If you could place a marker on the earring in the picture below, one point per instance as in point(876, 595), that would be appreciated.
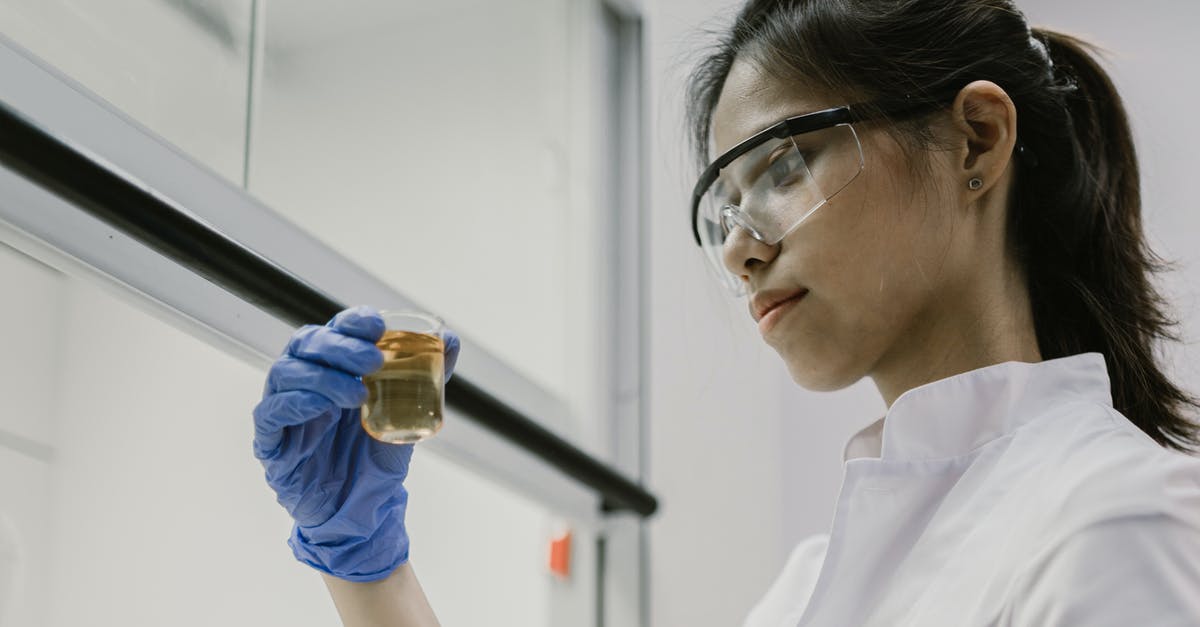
point(975, 183)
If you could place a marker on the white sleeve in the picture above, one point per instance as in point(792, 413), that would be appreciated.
point(788, 595)
point(1135, 570)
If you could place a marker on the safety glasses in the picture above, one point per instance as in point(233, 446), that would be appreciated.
point(771, 182)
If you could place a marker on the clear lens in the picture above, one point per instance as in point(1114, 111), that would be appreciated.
point(770, 190)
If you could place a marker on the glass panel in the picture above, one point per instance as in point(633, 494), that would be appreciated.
point(129, 495)
point(428, 142)
point(179, 67)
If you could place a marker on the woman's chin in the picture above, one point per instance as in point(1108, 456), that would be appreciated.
point(819, 373)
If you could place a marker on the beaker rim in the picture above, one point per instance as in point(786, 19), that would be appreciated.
point(411, 320)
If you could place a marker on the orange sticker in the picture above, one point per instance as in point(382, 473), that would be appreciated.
point(560, 555)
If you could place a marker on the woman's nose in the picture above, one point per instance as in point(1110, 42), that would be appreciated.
point(743, 253)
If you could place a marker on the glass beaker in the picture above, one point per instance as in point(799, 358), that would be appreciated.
point(406, 395)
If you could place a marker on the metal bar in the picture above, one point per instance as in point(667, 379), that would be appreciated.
point(87, 182)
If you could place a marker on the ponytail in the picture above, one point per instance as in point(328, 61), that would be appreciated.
point(1078, 222)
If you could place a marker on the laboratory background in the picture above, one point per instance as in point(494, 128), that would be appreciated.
point(518, 168)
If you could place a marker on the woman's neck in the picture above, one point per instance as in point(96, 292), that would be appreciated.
point(988, 323)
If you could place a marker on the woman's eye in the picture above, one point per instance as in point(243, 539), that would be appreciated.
point(786, 170)
point(784, 179)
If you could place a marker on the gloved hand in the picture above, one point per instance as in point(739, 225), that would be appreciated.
point(343, 488)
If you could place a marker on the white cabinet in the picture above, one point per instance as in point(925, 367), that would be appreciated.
point(149, 508)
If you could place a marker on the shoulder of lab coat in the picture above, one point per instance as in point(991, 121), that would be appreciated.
point(1080, 470)
point(1134, 570)
point(1126, 548)
point(1108, 473)
point(796, 581)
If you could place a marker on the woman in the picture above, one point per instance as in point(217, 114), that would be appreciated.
point(928, 193)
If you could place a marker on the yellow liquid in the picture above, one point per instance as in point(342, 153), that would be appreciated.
point(405, 396)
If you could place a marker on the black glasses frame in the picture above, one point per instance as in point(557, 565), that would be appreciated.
point(798, 125)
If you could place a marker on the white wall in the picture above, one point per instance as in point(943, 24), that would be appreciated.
point(748, 462)
point(715, 419)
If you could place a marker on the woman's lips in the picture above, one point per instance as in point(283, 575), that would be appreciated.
point(771, 318)
point(765, 300)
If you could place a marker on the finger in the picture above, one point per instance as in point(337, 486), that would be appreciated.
point(285, 409)
point(330, 347)
point(392, 459)
point(363, 322)
point(451, 353)
point(290, 373)
point(299, 443)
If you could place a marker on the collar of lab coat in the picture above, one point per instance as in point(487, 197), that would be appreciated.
point(952, 416)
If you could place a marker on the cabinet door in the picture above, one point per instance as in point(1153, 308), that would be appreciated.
point(434, 144)
point(179, 67)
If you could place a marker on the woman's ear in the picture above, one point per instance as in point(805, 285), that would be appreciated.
point(986, 120)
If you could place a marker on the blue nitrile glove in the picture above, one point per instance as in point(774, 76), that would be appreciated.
point(343, 488)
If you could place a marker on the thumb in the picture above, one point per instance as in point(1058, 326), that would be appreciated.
point(451, 354)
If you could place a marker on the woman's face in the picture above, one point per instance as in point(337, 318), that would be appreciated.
point(884, 261)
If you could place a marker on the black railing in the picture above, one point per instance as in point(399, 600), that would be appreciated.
point(156, 222)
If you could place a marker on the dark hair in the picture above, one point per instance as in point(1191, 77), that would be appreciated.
point(1075, 206)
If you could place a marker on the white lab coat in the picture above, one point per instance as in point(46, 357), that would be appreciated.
point(1010, 495)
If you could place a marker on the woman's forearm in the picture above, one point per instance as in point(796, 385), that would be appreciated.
point(397, 601)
